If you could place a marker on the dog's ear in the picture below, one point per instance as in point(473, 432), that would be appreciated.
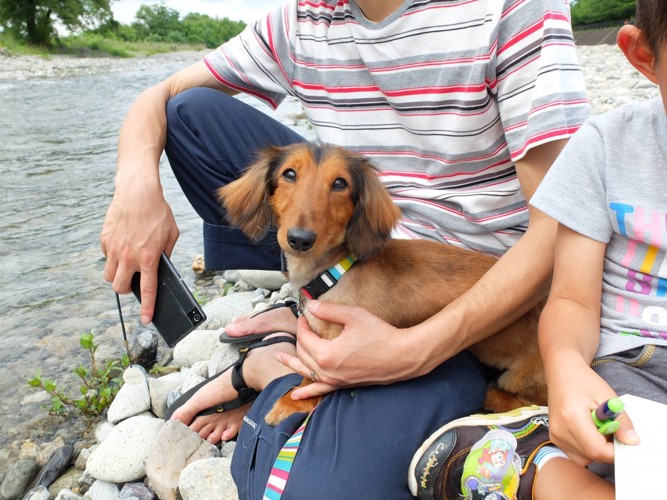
point(246, 200)
point(375, 213)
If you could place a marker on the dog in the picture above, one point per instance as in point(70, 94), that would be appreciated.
point(328, 203)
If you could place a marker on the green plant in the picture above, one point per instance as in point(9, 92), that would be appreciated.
point(201, 298)
point(586, 12)
point(36, 21)
point(101, 383)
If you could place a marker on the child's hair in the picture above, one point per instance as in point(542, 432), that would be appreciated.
point(651, 19)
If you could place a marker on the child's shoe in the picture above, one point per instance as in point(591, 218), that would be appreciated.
point(481, 457)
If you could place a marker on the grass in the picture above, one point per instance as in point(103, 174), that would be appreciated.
point(98, 45)
point(93, 46)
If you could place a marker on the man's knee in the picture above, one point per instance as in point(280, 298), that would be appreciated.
point(197, 104)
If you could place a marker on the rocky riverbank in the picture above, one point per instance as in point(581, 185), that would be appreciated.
point(610, 79)
point(76, 462)
point(132, 452)
point(19, 68)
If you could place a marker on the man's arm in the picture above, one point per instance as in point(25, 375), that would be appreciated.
point(516, 283)
point(139, 224)
point(510, 288)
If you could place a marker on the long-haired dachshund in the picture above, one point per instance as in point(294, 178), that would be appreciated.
point(327, 203)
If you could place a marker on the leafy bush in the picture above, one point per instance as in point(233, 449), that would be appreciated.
point(100, 383)
point(96, 43)
point(90, 18)
point(600, 11)
point(89, 44)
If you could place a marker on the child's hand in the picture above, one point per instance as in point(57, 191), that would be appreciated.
point(626, 433)
point(571, 427)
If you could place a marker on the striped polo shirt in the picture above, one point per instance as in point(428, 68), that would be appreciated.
point(443, 96)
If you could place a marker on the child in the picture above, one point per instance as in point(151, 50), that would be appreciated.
point(604, 330)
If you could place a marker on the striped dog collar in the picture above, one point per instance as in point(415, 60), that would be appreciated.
point(325, 281)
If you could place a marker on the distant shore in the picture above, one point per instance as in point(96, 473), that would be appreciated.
point(21, 68)
point(610, 79)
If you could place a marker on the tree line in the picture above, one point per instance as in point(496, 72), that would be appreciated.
point(585, 12)
point(36, 22)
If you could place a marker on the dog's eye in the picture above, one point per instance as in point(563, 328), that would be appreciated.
point(339, 184)
point(289, 175)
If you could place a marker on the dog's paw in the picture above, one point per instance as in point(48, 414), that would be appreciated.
point(285, 406)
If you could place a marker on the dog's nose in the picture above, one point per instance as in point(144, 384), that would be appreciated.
point(300, 240)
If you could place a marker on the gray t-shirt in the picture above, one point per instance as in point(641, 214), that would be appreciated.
point(610, 184)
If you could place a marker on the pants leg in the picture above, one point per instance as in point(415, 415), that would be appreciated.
point(211, 139)
point(642, 372)
point(358, 442)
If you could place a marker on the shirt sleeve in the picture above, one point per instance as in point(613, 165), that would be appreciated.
point(573, 191)
point(257, 60)
point(536, 75)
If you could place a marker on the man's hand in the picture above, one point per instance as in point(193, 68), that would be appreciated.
point(138, 227)
point(368, 351)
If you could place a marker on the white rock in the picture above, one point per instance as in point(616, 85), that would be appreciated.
point(83, 457)
point(160, 388)
point(174, 448)
point(259, 307)
point(29, 449)
point(242, 286)
point(190, 379)
point(201, 368)
point(103, 430)
point(67, 495)
point(208, 478)
point(285, 291)
point(222, 359)
point(38, 493)
point(227, 449)
point(102, 490)
point(120, 457)
point(271, 280)
point(197, 346)
point(231, 276)
point(132, 398)
point(222, 310)
point(257, 299)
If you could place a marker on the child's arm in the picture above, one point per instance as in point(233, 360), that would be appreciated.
point(569, 335)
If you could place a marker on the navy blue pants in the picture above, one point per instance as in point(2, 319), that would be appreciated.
point(358, 443)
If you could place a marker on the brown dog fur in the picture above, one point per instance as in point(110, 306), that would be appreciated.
point(336, 195)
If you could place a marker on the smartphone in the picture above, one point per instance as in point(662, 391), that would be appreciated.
point(177, 312)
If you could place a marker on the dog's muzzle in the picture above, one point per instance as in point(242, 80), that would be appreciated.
point(301, 240)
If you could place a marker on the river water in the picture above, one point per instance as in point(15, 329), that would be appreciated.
point(58, 141)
